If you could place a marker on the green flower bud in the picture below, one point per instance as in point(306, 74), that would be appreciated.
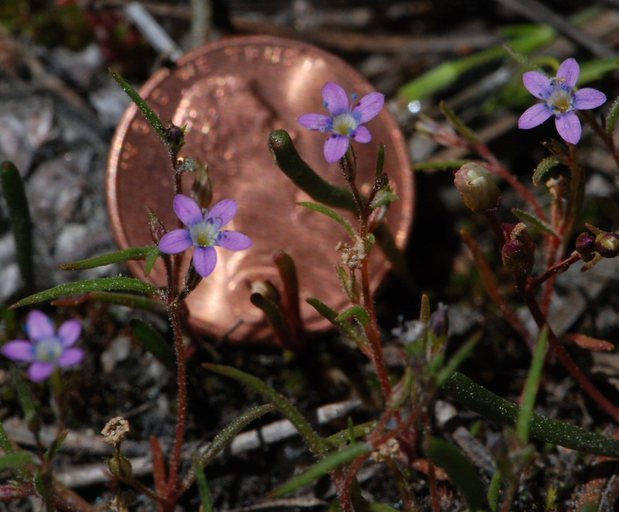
point(120, 467)
point(607, 244)
point(477, 187)
point(518, 252)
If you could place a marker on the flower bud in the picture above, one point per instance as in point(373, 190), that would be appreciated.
point(120, 467)
point(607, 244)
point(439, 321)
point(585, 246)
point(518, 252)
point(477, 187)
point(175, 137)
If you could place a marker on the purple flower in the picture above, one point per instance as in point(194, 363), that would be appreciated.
point(203, 232)
point(560, 100)
point(343, 122)
point(46, 349)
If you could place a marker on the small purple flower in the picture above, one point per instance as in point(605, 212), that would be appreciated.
point(344, 121)
point(203, 232)
point(560, 100)
point(46, 349)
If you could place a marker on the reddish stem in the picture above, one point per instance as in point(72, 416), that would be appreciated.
point(181, 418)
point(558, 268)
point(158, 468)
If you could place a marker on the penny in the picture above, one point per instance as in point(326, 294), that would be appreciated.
point(231, 95)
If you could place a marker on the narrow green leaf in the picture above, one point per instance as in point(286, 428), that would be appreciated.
point(458, 124)
point(15, 460)
point(154, 343)
point(494, 491)
point(533, 220)
point(382, 507)
point(205, 493)
point(543, 168)
point(5, 443)
point(275, 317)
point(314, 442)
point(352, 433)
point(19, 214)
point(332, 315)
point(457, 359)
point(55, 445)
point(149, 114)
point(323, 467)
point(461, 471)
point(548, 430)
point(325, 210)
point(121, 299)
point(531, 386)
point(103, 284)
point(223, 438)
point(357, 311)
point(133, 253)
point(303, 176)
point(439, 165)
point(612, 116)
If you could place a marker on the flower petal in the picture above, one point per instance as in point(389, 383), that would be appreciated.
point(335, 98)
point(18, 350)
point(362, 134)
point(369, 106)
point(71, 357)
point(204, 260)
point(534, 116)
point(569, 71)
point(175, 241)
point(69, 332)
point(316, 122)
point(537, 84)
point(40, 371)
point(335, 148)
point(187, 210)
point(234, 241)
point(39, 326)
point(223, 211)
point(587, 98)
point(568, 126)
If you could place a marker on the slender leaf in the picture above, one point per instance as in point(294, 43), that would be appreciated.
point(5, 443)
point(332, 316)
point(357, 311)
point(205, 493)
point(533, 220)
point(149, 114)
point(15, 460)
point(323, 467)
point(531, 386)
point(26, 400)
point(543, 168)
point(103, 284)
point(223, 438)
point(457, 359)
point(314, 442)
point(325, 210)
point(461, 471)
point(612, 117)
point(275, 316)
point(121, 299)
point(494, 491)
point(458, 124)
point(352, 433)
point(133, 253)
point(548, 430)
point(382, 507)
point(303, 176)
point(19, 214)
point(288, 274)
point(154, 343)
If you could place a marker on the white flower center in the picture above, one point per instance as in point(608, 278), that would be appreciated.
point(48, 350)
point(344, 124)
point(561, 99)
point(204, 233)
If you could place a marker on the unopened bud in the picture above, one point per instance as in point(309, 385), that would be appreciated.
point(585, 246)
point(518, 252)
point(439, 321)
point(607, 244)
point(477, 187)
point(175, 137)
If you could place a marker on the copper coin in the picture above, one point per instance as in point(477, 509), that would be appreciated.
point(231, 94)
